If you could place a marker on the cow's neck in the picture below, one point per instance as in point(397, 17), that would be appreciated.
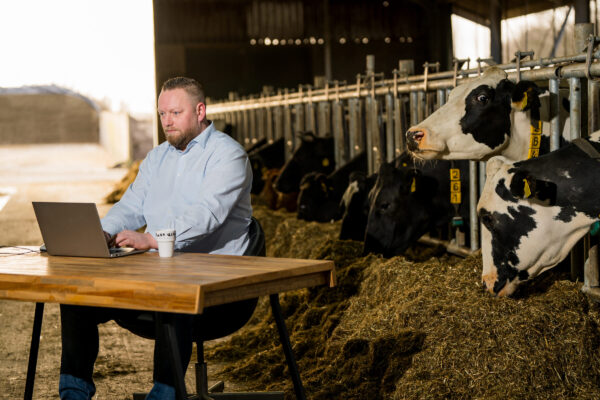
point(518, 145)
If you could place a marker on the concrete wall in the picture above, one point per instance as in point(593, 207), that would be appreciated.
point(47, 118)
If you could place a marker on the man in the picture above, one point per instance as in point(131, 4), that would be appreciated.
point(198, 182)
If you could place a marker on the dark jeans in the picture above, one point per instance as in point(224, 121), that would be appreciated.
point(80, 342)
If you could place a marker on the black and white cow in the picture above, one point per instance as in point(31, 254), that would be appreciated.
point(315, 154)
point(263, 158)
point(320, 194)
point(483, 117)
point(355, 206)
point(534, 211)
point(410, 200)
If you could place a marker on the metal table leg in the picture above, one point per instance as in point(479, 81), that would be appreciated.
point(287, 347)
point(164, 322)
point(33, 349)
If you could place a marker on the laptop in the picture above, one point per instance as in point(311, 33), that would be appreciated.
point(74, 229)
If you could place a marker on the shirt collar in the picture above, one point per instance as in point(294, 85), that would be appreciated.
point(201, 139)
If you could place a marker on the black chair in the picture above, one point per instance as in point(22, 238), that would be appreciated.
point(145, 326)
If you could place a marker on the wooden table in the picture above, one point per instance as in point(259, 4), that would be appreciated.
point(185, 283)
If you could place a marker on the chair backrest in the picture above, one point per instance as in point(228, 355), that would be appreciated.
point(257, 245)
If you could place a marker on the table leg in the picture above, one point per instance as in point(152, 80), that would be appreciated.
point(33, 350)
point(287, 347)
point(164, 322)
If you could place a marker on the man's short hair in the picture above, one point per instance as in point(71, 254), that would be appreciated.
point(190, 85)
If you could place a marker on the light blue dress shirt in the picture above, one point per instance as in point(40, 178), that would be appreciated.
point(202, 192)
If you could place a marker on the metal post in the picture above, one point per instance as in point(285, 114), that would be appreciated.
point(400, 125)
point(268, 122)
point(337, 111)
point(310, 118)
point(389, 127)
point(414, 107)
point(324, 119)
point(298, 124)
point(355, 127)
point(555, 122)
point(253, 127)
point(421, 106)
point(373, 144)
point(575, 116)
point(246, 124)
point(473, 183)
point(277, 122)
point(288, 132)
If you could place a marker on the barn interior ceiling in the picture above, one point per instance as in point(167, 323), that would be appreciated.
point(242, 46)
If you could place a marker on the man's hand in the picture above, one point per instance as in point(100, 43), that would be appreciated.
point(137, 240)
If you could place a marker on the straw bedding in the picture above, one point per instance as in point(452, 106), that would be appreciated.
point(414, 327)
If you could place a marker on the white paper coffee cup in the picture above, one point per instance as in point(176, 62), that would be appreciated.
point(166, 242)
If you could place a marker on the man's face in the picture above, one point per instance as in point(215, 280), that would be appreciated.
point(180, 117)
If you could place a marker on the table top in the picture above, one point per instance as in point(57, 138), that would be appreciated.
point(184, 283)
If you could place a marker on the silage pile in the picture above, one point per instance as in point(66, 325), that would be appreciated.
point(407, 329)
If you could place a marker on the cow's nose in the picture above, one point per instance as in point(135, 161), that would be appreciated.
point(414, 136)
point(488, 282)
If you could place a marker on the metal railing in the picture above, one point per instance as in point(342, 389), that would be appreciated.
point(373, 113)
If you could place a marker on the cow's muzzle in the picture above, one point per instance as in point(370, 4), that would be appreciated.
point(414, 137)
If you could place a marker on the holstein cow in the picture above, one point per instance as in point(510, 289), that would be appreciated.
point(264, 158)
point(315, 154)
point(485, 116)
point(355, 206)
point(410, 200)
point(534, 211)
point(320, 194)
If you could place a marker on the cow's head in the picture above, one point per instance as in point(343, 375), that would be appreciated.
point(475, 122)
point(316, 201)
point(526, 230)
point(399, 212)
point(313, 154)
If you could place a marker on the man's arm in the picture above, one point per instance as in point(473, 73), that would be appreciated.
point(127, 213)
point(223, 184)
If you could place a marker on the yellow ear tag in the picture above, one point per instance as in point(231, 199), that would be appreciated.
point(323, 187)
point(413, 186)
point(524, 101)
point(526, 189)
point(325, 162)
point(404, 164)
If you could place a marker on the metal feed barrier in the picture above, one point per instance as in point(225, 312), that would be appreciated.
point(374, 113)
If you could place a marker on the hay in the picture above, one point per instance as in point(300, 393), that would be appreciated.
point(408, 328)
point(124, 183)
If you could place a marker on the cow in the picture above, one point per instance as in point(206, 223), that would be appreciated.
point(320, 194)
point(483, 117)
point(313, 154)
point(534, 211)
point(263, 158)
point(355, 206)
point(410, 200)
point(274, 199)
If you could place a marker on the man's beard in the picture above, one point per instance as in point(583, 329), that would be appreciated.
point(181, 141)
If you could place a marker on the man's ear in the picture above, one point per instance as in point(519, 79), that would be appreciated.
point(525, 96)
point(525, 186)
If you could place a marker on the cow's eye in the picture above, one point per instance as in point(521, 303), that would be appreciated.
point(482, 98)
point(486, 219)
point(384, 206)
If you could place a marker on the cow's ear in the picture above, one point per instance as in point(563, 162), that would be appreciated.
point(493, 165)
point(526, 95)
point(525, 186)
